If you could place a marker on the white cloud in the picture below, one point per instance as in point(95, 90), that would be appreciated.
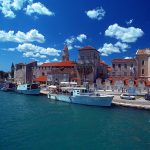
point(129, 22)
point(31, 54)
point(18, 4)
point(10, 7)
point(128, 58)
point(97, 13)
point(21, 37)
point(128, 35)
point(122, 46)
point(47, 61)
point(72, 40)
point(81, 37)
point(110, 48)
point(5, 7)
point(39, 9)
point(77, 46)
point(55, 59)
point(32, 51)
point(9, 49)
point(50, 51)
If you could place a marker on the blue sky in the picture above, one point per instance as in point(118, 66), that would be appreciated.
point(37, 29)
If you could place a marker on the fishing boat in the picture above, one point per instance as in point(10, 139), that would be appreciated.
point(81, 95)
point(29, 89)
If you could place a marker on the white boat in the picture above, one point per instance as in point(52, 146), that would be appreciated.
point(29, 89)
point(82, 96)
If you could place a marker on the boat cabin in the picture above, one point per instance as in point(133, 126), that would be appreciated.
point(28, 86)
point(79, 91)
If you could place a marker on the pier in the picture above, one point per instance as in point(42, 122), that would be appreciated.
point(139, 103)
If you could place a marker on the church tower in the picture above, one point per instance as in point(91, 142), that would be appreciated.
point(12, 70)
point(65, 54)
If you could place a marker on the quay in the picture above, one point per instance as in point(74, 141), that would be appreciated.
point(139, 102)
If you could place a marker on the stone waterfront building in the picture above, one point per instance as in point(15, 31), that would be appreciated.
point(135, 71)
point(88, 62)
point(87, 69)
point(23, 73)
point(56, 72)
point(136, 68)
point(90, 66)
point(124, 68)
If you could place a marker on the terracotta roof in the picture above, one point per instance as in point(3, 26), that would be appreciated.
point(59, 64)
point(88, 48)
point(41, 79)
point(122, 60)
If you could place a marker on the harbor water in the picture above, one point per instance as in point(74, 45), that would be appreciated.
point(36, 123)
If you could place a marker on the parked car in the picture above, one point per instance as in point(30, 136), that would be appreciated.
point(147, 96)
point(127, 96)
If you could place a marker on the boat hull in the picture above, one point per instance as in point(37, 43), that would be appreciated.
point(93, 100)
point(60, 97)
point(84, 100)
point(29, 92)
point(28, 89)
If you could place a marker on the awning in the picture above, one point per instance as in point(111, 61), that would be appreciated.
point(41, 79)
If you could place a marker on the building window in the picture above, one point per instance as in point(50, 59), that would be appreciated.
point(131, 65)
point(125, 66)
point(142, 62)
point(119, 65)
point(114, 66)
point(43, 74)
point(125, 73)
point(142, 71)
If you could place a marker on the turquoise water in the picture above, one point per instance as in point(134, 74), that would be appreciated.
point(36, 123)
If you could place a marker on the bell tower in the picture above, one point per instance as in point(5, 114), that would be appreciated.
point(65, 54)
